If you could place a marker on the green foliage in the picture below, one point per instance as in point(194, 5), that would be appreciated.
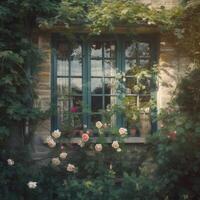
point(119, 13)
point(188, 97)
point(19, 58)
point(187, 31)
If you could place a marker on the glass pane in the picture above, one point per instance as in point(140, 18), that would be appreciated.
point(129, 64)
point(96, 86)
point(109, 49)
point(96, 68)
point(144, 63)
point(143, 49)
point(130, 50)
point(131, 87)
point(76, 52)
point(76, 67)
point(62, 86)
point(109, 100)
point(96, 49)
point(109, 86)
point(62, 67)
point(97, 102)
point(109, 67)
point(76, 104)
point(76, 86)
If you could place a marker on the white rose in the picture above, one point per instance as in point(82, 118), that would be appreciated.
point(119, 149)
point(32, 185)
point(99, 124)
point(115, 144)
point(98, 147)
point(51, 143)
point(123, 131)
point(55, 161)
point(56, 134)
point(71, 168)
point(63, 155)
point(10, 162)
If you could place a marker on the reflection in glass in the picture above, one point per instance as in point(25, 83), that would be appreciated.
point(109, 49)
point(96, 68)
point(109, 67)
point(76, 68)
point(97, 102)
point(144, 63)
point(96, 86)
point(129, 64)
point(62, 67)
point(76, 86)
point(109, 86)
point(143, 49)
point(62, 86)
point(76, 53)
point(96, 49)
point(76, 104)
point(130, 50)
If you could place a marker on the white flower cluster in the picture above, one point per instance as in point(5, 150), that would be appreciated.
point(10, 162)
point(115, 145)
point(71, 168)
point(98, 147)
point(32, 185)
point(123, 132)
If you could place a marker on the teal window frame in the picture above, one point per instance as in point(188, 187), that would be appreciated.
point(120, 40)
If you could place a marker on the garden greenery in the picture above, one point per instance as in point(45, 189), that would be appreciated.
point(174, 168)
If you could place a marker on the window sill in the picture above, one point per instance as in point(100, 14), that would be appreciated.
point(127, 140)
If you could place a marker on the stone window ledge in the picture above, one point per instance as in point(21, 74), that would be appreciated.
point(127, 140)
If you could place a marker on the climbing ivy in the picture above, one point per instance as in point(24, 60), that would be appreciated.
point(19, 58)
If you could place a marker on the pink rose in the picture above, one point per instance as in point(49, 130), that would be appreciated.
point(85, 137)
point(74, 109)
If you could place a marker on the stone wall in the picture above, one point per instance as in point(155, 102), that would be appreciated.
point(158, 3)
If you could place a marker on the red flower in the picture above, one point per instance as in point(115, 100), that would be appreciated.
point(85, 137)
point(74, 109)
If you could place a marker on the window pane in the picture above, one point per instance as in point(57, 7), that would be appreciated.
point(96, 68)
point(144, 63)
point(62, 67)
point(96, 86)
point(76, 67)
point(129, 64)
point(131, 87)
point(62, 86)
point(76, 86)
point(95, 118)
point(143, 49)
point(76, 52)
point(109, 67)
point(130, 50)
point(76, 104)
point(97, 103)
point(109, 100)
point(109, 49)
point(96, 49)
point(109, 86)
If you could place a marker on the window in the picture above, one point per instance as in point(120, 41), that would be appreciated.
point(91, 75)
